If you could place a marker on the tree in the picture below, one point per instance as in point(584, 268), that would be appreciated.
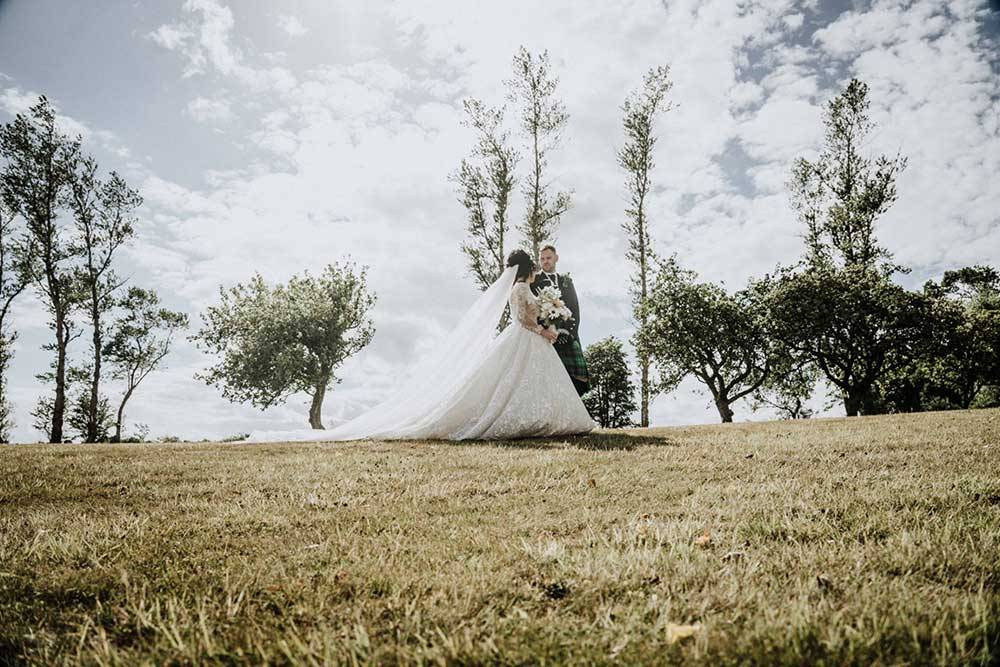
point(853, 323)
point(103, 213)
point(841, 312)
point(487, 177)
point(959, 364)
point(789, 387)
point(543, 118)
point(699, 330)
point(636, 158)
point(79, 418)
point(841, 195)
point(276, 341)
point(139, 340)
point(611, 397)
point(13, 280)
point(39, 167)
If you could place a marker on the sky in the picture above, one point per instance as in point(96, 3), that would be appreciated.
point(281, 137)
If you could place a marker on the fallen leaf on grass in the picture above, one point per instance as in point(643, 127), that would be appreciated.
point(676, 632)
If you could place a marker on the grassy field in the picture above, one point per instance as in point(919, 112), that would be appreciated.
point(863, 541)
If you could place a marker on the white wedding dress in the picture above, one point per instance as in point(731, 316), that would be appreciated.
point(475, 384)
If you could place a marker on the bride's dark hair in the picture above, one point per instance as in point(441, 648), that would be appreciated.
point(522, 261)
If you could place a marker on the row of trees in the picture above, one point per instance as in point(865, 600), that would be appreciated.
point(62, 227)
point(836, 317)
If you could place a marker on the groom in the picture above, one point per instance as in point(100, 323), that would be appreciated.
point(567, 345)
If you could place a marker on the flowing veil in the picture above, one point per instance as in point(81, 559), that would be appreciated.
point(432, 380)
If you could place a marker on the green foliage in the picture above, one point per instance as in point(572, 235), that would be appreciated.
point(611, 397)
point(543, 118)
point(788, 387)
point(841, 194)
point(275, 341)
point(699, 330)
point(853, 323)
point(958, 367)
point(79, 420)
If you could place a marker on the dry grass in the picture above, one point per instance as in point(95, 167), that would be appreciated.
point(873, 540)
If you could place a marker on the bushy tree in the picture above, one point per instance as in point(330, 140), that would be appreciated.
point(699, 330)
point(636, 157)
point(958, 366)
point(275, 341)
point(854, 324)
point(611, 397)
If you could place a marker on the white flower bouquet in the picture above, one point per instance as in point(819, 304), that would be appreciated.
point(552, 310)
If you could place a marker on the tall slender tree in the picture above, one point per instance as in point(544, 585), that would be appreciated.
point(13, 281)
point(39, 168)
point(543, 118)
point(636, 158)
point(139, 340)
point(104, 213)
point(485, 182)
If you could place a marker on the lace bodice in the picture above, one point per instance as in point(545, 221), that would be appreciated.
point(524, 307)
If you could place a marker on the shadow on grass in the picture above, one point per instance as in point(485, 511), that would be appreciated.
point(597, 441)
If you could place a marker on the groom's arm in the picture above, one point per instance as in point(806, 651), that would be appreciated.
point(569, 298)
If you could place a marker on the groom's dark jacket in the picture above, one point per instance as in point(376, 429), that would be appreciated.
point(565, 286)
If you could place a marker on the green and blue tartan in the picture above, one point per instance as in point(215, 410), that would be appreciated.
point(571, 354)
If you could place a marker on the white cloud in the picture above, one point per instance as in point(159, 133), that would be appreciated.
point(292, 26)
point(205, 110)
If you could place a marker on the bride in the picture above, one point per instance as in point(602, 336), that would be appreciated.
point(475, 384)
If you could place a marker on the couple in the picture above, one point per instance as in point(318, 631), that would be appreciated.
point(525, 382)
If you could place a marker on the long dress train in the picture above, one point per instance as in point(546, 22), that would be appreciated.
point(509, 386)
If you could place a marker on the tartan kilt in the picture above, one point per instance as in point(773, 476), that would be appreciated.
point(571, 354)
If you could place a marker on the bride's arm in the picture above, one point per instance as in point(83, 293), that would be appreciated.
point(524, 314)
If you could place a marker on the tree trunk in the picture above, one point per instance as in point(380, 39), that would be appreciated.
point(95, 317)
point(852, 404)
point(121, 415)
point(59, 404)
point(644, 418)
point(315, 410)
point(724, 410)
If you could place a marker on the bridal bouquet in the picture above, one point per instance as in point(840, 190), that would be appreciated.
point(553, 311)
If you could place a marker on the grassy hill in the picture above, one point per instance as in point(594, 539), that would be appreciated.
point(871, 540)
